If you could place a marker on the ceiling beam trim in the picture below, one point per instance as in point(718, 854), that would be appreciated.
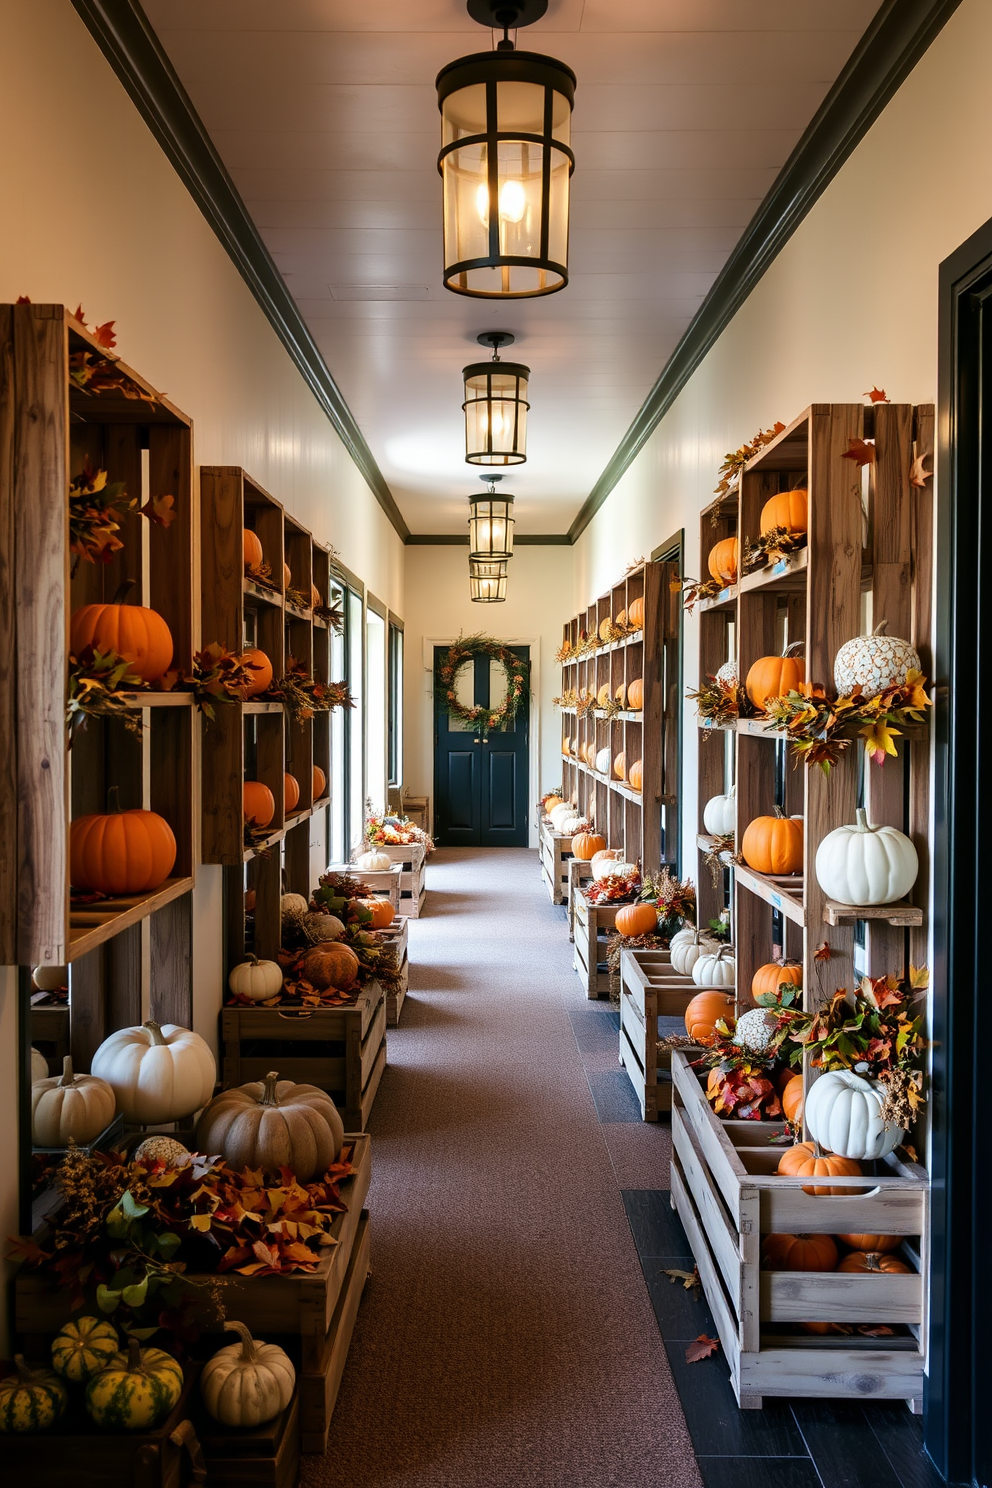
point(897, 38)
point(127, 40)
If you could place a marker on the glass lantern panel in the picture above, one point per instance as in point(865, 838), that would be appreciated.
point(463, 113)
point(561, 119)
point(520, 108)
point(558, 209)
point(519, 168)
point(466, 204)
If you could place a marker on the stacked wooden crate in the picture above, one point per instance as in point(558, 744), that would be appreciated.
point(398, 936)
point(410, 857)
point(650, 990)
point(555, 853)
point(385, 884)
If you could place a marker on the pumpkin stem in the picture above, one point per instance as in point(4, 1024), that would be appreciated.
point(269, 1096)
point(793, 647)
point(248, 1349)
point(123, 591)
point(779, 812)
point(23, 1369)
point(68, 1078)
point(113, 800)
point(881, 627)
point(862, 820)
point(133, 1354)
point(155, 1034)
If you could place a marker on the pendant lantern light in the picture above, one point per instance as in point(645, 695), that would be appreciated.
point(490, 524)
point(487, 581)
point(505, 162)
point(496, 406)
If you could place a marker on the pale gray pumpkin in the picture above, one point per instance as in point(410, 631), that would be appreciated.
point(271, 1124)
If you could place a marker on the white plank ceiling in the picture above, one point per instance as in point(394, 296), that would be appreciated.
point(325, 114)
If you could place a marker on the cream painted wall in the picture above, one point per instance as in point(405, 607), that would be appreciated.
point(849, 303)
point(438, 606)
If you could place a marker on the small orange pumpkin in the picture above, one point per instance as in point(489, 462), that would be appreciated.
point(635, 694)
point(635, 613)
point(774, 844)
point(620, 766)
point(723, 559)
point(584, 844)
point(319, 782)
point(789, 509)
point(637, 919)
point(291, 792)
point(703, 1012)
point(261, 676)
point(634, 775)
point(874, 1244)
point(799, 1253)
point(138, 635)
point(873, 1262)
point(792, 1100)
point(287, 576)
point(120, 852)
point(603, 695)
point(253, 549)
point(331, 964)
point(258, 803)
point(605, 627)
point(801, 1161)
point(382, 912)
point(769, 978)
point(314, 597)
point(622, 620)
point(773, 676)
point(621, 694)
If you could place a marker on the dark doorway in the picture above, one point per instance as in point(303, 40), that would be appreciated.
point(480, 779)
point(956, 1425)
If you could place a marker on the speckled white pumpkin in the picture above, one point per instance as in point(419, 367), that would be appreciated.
point(754, 1029)
point(873, 663)
point(727, 674)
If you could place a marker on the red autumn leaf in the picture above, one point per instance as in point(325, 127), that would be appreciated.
point(877, 395)
point(23, 300)
point(158, 509)
point(104, 335)
point(918, 472)
point(702, 1348)
point(79, 314)
point(860, 452)
point(823, 952)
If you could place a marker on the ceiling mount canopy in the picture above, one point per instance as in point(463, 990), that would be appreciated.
point(496, 406)
point(505, 162)
point(490, 524)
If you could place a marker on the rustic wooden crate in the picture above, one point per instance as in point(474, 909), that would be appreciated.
point(409, 855)
point(413, 891)
point(649, 990)
point(579, 873)
point(728, 1196)
point(399, 934)
point(556, 850)
point(592, 924)
point(385, 884)
point(396, 995)
point(350, 1070)
point(261, 1457)
point(319, 1387)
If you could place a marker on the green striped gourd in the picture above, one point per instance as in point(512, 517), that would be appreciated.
point(84, 1348)
point(31, 1399)
point(136, 1390)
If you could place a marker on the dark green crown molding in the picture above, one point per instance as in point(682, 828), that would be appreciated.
point(457, 540)
point(897, 38)
point(128, 42)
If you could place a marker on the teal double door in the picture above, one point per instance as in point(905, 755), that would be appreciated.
point(480, 778)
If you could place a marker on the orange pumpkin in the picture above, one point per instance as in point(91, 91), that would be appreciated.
point(799, 1253)
point(603, 695)
point(621, 694)
point(635, 694)
point(139, 636)
point(331, 964)
point(873, 1261)
point(253, 549)
point(120, 852)
point(250, 901)
point(261, 676)
point(703, 1012)
point(801, 1161)
point(792, 1099)
point(291, 791)
point(773, 676)
point(382, 912)
point(722, 561)
point(634, 775)
point(774, 844)
point(622, 620)
point(637, 919)
point(789, 509)
point(769, 978)
point(258, 803)
point(314, 596)
point(620, 766)
point(287, 576)
point(319, 782)
point(875, 1244)
point(584, 844)
point(635, 613)
point(605, 627)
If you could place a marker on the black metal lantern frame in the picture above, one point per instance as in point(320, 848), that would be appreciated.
point(496, 407)
point(490, 527)
point(487, 581)
point(506, 165)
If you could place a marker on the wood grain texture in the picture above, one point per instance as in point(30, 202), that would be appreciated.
point(8, 645)
point(171, 991)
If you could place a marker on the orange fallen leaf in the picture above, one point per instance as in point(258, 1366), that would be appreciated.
point(860, 452)
point(702, 1348)
point(877, 395)
point(918, 473)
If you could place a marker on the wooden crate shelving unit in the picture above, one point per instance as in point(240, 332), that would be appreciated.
point(868, 557)
point(650, 989)
point(412, 860)
point(398, 935)
point(555, 850)
point(49, 428)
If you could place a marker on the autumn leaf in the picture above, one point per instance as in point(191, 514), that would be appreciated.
point(79, 314)
point(860, 452)
point(880, 740)
point(159, 509)
point(104, 335)
point(877, 395)
point(23, 300)
point(918, 473)
point(689, 1279)
point(919, 977)
point(822, 952)
point(201, 1222)
point(702, 1348)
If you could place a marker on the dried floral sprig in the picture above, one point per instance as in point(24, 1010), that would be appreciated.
point(674, 899)
point(97, 684)
point(718, 702)
point(694, 591)
point(616, 944)
point(260, 573)
point(303, 696)
point(333, 615)
point(715, 855)
point(771, 546)
point(735, 460)
point(820, 725)
point(298, 598)
point(97, 509)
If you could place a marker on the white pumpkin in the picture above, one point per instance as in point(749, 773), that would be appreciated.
point(69, 1106)
point(843, 1113)
point(318, 927)
point(862, 864)
point(374, 861)
point(293, 904)
point(603, 761)
point(560, 813)
point(39, 1066)
point(720, 814)
point(727, 674)
point(680, 937)
point(715, 968)
point(873, 663)
point(50, 978)
point(685, 953)
point(248, 1383)
point(616, 866)
point(613, 854)
point(754, 1029)
point(255, 979)
point(158, 1074)
point(162, 1149)
point(571, 825)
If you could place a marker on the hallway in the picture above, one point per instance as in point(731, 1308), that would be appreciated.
point(506, 1337)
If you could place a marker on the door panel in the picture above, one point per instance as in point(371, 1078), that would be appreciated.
point(480, 780)
point(501, 791)
point(461, 790)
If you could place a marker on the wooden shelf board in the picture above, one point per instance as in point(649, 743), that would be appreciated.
point(787, 575)
point(158, 699)
point(757, 728)
point(900, 913)
point(94, 924)
point(295, 612)
point(709, 844)
point(255, 707)
point(263, 846)
point(788, 451)
point(260, 594)
point(728, 500)
point(715, 728)
point(785, 894)
point(725, 600)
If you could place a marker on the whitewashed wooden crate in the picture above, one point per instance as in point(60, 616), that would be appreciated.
point(410, 857)
point(386, 884)
point(649, 990)
point(556, 851)
point(579, 873)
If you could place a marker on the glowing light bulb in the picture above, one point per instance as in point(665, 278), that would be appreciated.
point(512, 201)
point(482, 202)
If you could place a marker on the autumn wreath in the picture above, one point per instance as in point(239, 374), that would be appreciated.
point(462, 653)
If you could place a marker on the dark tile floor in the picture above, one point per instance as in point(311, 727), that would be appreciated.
point(788, 1444)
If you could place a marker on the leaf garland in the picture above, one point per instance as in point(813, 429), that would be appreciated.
point(735, 460)
point(96, 688)
point(696, 590)
point(719, 702)
point(303, 696)
point(97, 509)
point(464, 651)
point(770, 547)
point(820, 725)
